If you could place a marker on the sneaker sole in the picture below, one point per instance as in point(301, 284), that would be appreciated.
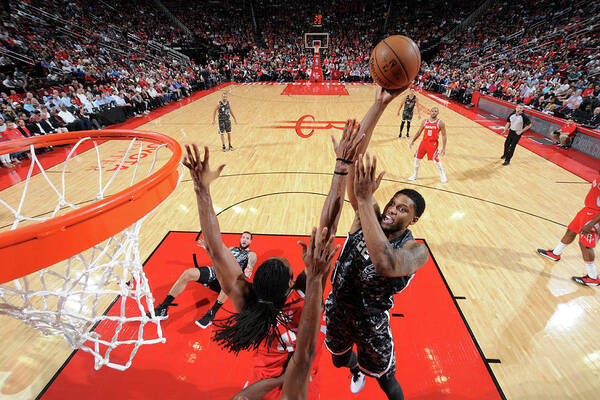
point(548, 257)
point(203, 326)
point(577, 280)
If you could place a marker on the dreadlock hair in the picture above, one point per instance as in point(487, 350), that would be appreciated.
point(257, 322)
point(416, 198)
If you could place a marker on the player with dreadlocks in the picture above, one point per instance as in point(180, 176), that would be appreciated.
point(268, 309)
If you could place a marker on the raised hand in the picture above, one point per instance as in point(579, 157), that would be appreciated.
point(200, 243)
point(365, 181)
point(387, 95)
point(347, 148)
point(318, 255)
point(199, 169)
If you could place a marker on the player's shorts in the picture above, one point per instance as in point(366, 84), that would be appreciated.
point(371, 334)
point(407, 115)
point(429, 148)
point(210, 280)
point(583, 217)
point(224, 126)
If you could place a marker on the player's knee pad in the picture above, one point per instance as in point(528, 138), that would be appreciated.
point(342, 360)
point(205, 274)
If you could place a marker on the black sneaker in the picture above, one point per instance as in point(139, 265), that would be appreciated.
point(230, 148)
point(506, 162)
point(407, 136)
point(503, 157)
point(161, 311)
point(224, 148)
point(205, 321)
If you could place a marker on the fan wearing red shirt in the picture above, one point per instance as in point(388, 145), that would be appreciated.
point(565, 135)
point(587, 224)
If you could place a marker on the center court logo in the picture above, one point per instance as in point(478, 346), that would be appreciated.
point(306, 125)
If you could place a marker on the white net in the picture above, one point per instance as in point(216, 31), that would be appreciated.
point(70, 298)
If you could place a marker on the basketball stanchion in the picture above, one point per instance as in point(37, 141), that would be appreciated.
point(60, 270)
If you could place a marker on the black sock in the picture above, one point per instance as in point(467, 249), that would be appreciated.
point(168, 300)
point(391, 388)
point(216, 306)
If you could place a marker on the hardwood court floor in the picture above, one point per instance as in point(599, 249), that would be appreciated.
point(483, 227)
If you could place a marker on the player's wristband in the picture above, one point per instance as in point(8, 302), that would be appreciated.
point(344, 160)
point(340, 172)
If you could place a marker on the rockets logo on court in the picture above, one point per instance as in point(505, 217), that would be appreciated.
point(306, 125)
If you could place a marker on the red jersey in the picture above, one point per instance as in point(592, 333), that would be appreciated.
point(592, 200)
point(431, 131)
point(569, 129)
point(269, 362)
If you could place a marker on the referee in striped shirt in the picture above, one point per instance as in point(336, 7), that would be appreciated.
point(516, 124)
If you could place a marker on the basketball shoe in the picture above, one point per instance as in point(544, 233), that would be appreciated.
point(162, 311)
point(358, 382)
point(412, 178)
point(586, 280)
point(207, 319)
point(548, 254)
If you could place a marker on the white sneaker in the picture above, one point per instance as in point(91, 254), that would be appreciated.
point(444, 179)
point(358, 382)
point(412, 178)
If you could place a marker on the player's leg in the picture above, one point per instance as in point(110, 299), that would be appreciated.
point(338, 339)
point(208, 318)
point(408, 128)
point(189, 275)
point(587, 244)
point(438, 164)
point(581, 218)
point(229, 139)
point(376, 356)
point(566, 240)
point(222, 133)
point(401, 127)
point(391, 387)
point(421, 151)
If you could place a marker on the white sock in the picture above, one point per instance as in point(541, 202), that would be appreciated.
point(559, 248)
point(417, 164)
point(439, 165)
point(591, 269)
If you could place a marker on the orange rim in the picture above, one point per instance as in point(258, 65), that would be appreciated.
point(37, 246)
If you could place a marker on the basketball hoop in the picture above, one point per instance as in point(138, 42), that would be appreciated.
point(98, 243)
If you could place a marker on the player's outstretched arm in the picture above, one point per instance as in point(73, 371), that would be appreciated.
point(318, 257)
point(345, 152)
point(383, 97)
point(226, 266)
point(388, 261)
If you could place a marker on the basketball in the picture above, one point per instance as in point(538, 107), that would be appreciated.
point(395, 62)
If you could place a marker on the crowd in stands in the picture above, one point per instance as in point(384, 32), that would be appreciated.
point(72, 65)
point(69, 65)
point(544, 55)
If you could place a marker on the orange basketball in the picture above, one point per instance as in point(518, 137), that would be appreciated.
point(395, 62)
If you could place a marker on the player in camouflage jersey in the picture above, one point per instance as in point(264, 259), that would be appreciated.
point(409, 103)
point(378, 260)
point(207, 276)
point(225, 111)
